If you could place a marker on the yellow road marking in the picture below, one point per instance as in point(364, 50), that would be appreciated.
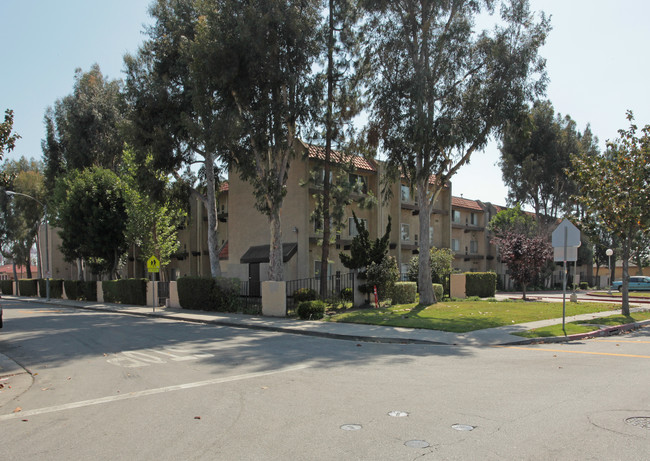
point(626, 341)
point(578, 352)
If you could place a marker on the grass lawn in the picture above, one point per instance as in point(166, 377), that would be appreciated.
point(463, 316)
point(574, 328)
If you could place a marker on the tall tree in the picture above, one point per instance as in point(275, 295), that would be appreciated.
point(341, 104)
point(535, 153)
point(441, 89)
point(7, 138)
point(614, 189)
point(85, 128)
point(174, 89)
point(269, 50)
point(92, 218)
point(22, 216)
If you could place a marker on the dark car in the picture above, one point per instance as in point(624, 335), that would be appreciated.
point(636, 284)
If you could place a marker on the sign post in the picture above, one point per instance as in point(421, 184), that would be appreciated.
point(566, 237)
point(153, 267)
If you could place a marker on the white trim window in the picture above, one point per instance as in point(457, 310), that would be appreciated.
point(405, 192)
point(405, 232)
point(430, 235)
point(473, 219)
point(352, 228)
point(317, 269)
point(473, 247)
point(455, 216)
point(455, 245)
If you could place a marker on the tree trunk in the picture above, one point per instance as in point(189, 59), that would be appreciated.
point(325, 250)
point(276, 267)
point(80, 269)
point(211, 207)
point(425, 287)
point(625, 305)
point(13, 263)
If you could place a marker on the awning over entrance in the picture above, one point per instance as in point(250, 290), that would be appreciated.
point(260, 253)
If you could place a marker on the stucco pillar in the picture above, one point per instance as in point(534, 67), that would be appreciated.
point(274, 299)
point(457, 286)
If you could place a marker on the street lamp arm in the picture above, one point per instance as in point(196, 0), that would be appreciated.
point(10, 192)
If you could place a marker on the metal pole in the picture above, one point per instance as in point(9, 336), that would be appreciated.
point(47, 259)
point(564, 283)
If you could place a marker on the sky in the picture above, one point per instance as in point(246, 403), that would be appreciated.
point(597, 64)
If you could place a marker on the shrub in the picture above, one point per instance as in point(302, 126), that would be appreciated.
point(347, 294)
point(80, 290)
point(304, 294)
point(311, 310)
point(7, 287)
point(481, 284)
point(56, 288)
point(27, 287)
point(127, 291)
point(404, 292)
point(383, 276)
point(584, 285)
point(225, 295)
point(195, 292)
point(438, 291)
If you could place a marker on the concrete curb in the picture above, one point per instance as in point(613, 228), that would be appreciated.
point(609, 331)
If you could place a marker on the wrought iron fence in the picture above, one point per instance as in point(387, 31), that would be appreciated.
point(337, 286)
point(163, 293)
point(250, 296)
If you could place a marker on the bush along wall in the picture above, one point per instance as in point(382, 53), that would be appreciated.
point(28, 287)
point(438, 291)
point(404, 292)
point(219, 294)
point(7, 287)
point(56, 288)
point(127, 291)
point(80, 290)
point(481, 284)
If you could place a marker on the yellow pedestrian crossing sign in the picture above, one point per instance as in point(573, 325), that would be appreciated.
point(153, 265)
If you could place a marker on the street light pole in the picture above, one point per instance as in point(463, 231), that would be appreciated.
point(47, 253)
point(609, 253)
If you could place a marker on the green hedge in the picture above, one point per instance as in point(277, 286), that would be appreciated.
point(481, 284)
point(56, 288)
point(304, 294)
point(28, 287)
point(209, 294)
point(127, 291)
point(7, 287)
point(311, 310)
point(80, 290)
point(404, 292)
point(438, 291)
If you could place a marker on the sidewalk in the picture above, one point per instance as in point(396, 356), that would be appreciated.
point(347, 331)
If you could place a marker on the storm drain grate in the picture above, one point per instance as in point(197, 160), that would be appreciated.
point(639, 421)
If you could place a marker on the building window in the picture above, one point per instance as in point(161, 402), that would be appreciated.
point(320, 177)
point(317, 269)
point(473, 219)
point(406, 230)
point(318, 225)
point(455, 245)
point(430, 235)
point(473, 247)
point(352, 228)
point(360, 183)
point(455, 216)
point(405, 193)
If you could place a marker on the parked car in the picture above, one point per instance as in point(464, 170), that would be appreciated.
point(636, 284)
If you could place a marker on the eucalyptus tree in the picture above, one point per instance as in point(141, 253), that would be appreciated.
point(85, 128)
point(441, 88)
point(535, 154)
point(269, 49)
point(176, 100)
point(7, 138)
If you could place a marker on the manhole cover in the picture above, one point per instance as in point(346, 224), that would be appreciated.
point(351, 427)
point(639, 421)
point(417, 444)
point(398, 414)
point(463, 427)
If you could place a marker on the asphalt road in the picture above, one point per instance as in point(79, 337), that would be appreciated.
point(110, 386)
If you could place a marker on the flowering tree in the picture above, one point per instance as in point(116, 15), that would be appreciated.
point(525, 256)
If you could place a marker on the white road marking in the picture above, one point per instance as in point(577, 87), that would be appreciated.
point(133, 395)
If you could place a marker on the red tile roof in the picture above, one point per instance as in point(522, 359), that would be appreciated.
point(224, 187)
point(465, 203)
point(339, 157)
